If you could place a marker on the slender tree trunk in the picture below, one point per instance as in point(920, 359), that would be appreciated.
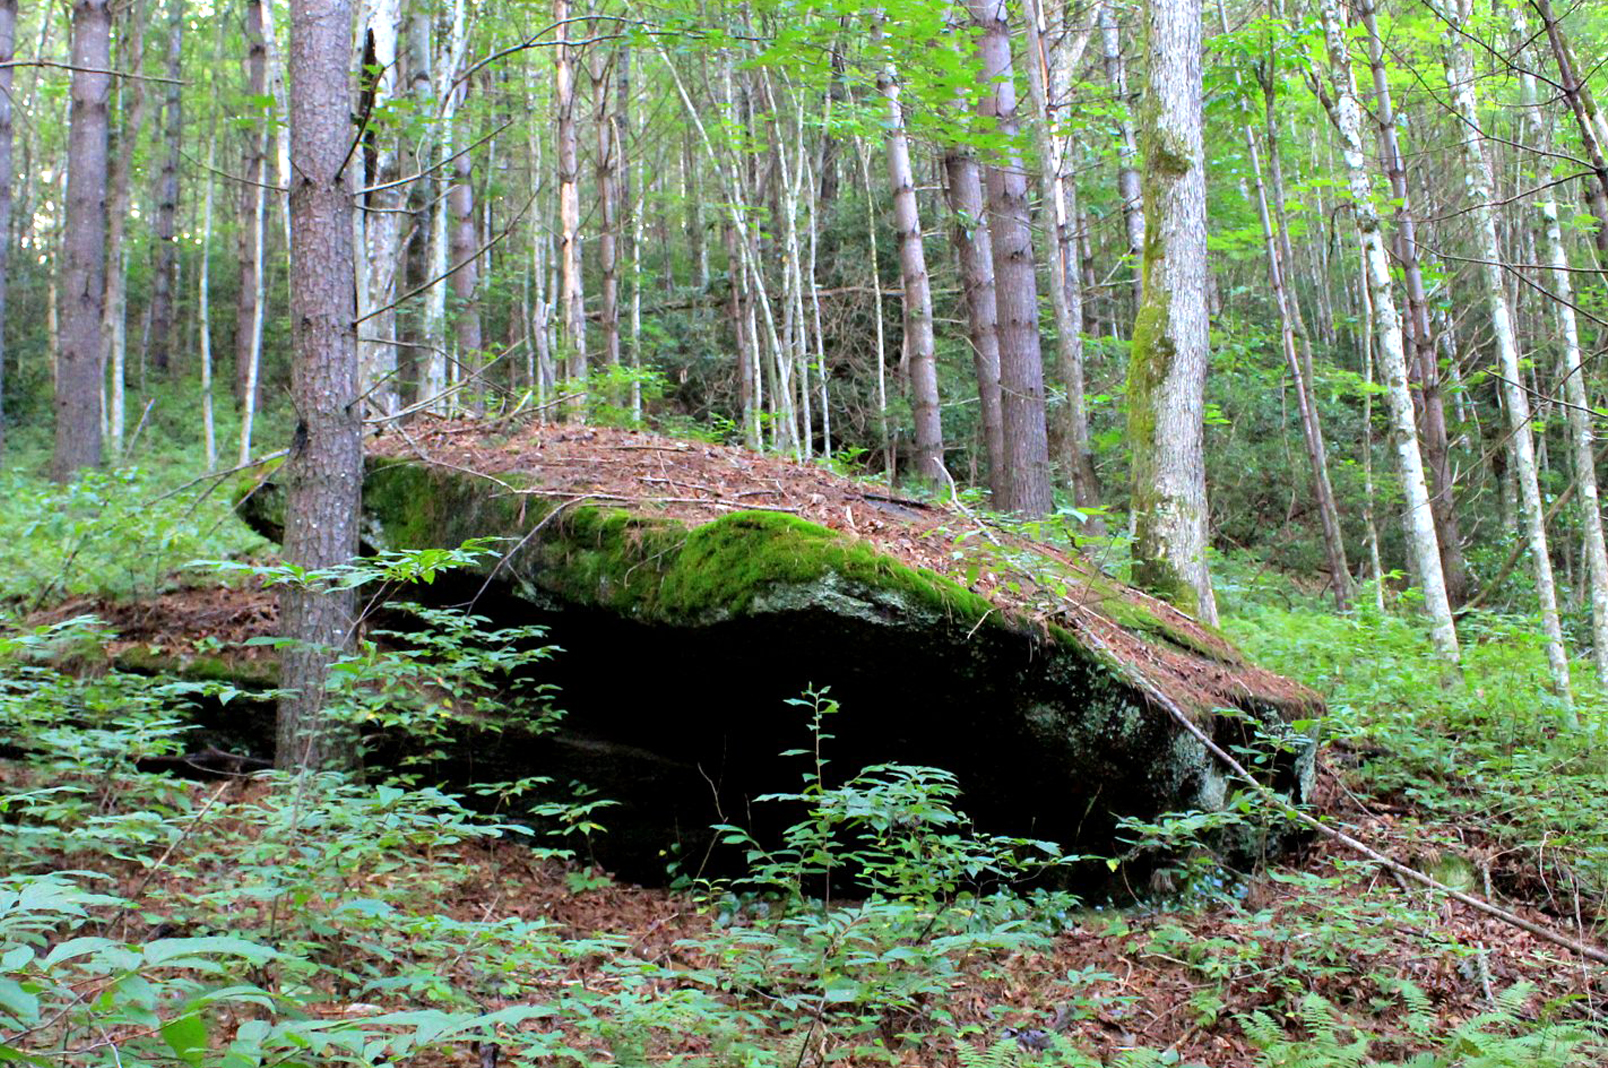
point(164, 277)
point(253, 206)
point(1366, 343)
point(1170, 351)
point(1418, 329)
point(1588, 118)
point(608, 230)
point(324, 473)
point(114, 310)
point(381, 211)
point(1418, 522)
point(1047, 83)
point(1480, 186)
point(1311, 427)
point(571, 301)
point(1128, 185)
point(8, 47)
point(83, 286)
point(919, 342)
point(1021, 365)
point(203, 306)
point(466, 279)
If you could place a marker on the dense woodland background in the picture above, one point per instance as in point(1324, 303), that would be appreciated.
point(1291, 313)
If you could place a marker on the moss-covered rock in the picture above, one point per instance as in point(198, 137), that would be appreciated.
point(683, 641)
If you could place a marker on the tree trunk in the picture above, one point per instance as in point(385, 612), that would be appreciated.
point(1311, 427)
point(919, 342)
point(1418, 522)
point(203, 307)
point(571, 301)
point(1437, 444)
point(253, 210)
point(1058, 189)
point(114, 310)
point(1481, 190)
point(324, 473)
point(466, 279)
point(381, 215)
point(975, 253)
point(1170, 350)
point(608, 232)
point(8, 48)
point(1021, 365)
point(164, 276)
point(1588, 119)
point(83, 286)
point(1128, 186)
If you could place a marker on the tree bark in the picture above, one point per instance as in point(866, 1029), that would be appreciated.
point(1417, 520)
point(381, 210)
point(1419, 332)
point(1128, 186)
point(83, 285)
point(1046, 81)
point(1021, 364)
point(8, 48)
point(571, 301)
point(919, 343)
point(1170, 349)
point(114, 310)
point(1587, 117)
point(975, 252)
point(323, 474)
point(466, 278)
point(608, 232)
point(1481, 190)
point(253, 212)
point(164, 276)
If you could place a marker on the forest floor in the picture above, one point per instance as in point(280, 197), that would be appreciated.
point(1181, 974)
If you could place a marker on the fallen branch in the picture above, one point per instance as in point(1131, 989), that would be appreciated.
point(1155, 694)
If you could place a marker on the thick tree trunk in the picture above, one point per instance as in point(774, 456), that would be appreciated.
point(571, 300)
point(919, 342)
point(83, 285)
point(1481, 191)
point(1021, 364)
point(1170, 351)
point(1419, 333)
point(8, 48)
point(114, 310)
point(1128, 186)
point(1418, 522)
point(164, 277)
point(976, 255)
point(323, 475)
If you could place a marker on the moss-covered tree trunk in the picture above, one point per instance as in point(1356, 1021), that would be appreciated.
point(1170, 352)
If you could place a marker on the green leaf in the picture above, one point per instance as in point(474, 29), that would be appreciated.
point(76, 947)
point(19, 1002)
point(168, 949)
point(186, 1036)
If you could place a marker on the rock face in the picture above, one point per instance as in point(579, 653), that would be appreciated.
point(696, 588)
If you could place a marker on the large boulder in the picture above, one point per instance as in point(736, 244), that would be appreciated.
point(695, 588)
